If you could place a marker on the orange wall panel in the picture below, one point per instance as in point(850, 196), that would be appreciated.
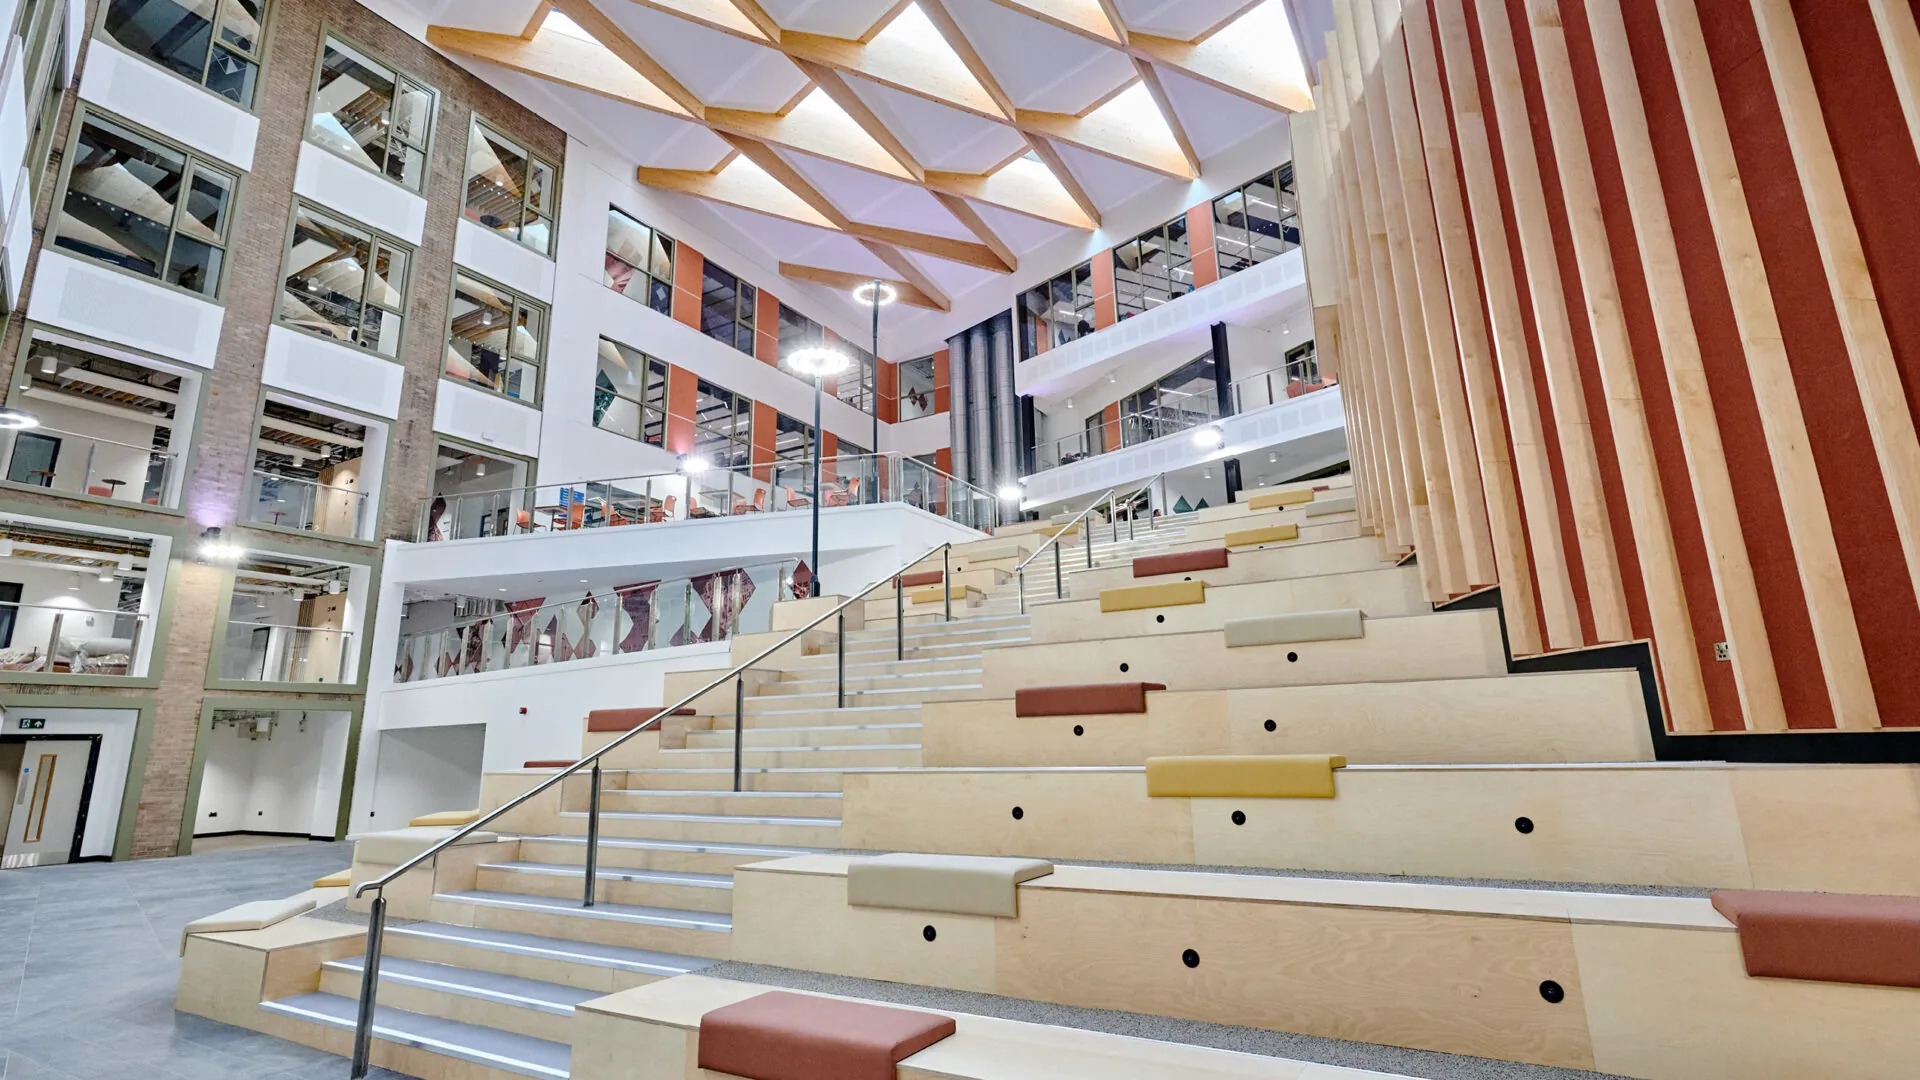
point(689, 269)
point(683, 397)
point(942, 386)
point(887, 388)
point(1206, 261)
point(1105, 314)
point(766, 328)
point(1112, 425)
point(764, 419)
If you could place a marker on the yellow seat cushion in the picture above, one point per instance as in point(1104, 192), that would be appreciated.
point(1166, 594)
point(1050, 530)
point(339, 879)
point(1244, 776)
point(933, 595)
point(1275, 499)
point(444, 818)
point(1267, 535)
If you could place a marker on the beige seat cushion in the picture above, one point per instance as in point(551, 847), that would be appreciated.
point(1274, 500)
point(253, 915)
point(440, 818)
point(396, 847)
point(1331, 506)
point(959, 884)
point(1298, 626)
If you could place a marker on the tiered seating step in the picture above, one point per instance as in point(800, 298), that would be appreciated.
point(503, 1050)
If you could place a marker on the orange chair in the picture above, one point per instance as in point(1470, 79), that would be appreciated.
point(794, 498)
point(663, 511)
point(577, 517)
point(523, 520)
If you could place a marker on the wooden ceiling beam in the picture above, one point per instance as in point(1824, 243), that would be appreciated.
point(1082, 18)
point(759, 18)
point(909, 293)
point(1151, 78)
point(963, 211)
point(820, 132)
point(747, 188)
point(1057, 165)
point(608, 33)
point(1112, 137)
point(728, 18)
point(922, 73)
point(835, 86)
point(1222, 64)
point(560, 58)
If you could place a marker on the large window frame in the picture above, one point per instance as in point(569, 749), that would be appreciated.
point(726, 307)
point(220, 37)
point(1153, 268)
point(648, 401)
point(1057, 311)
point(349, 647)
point(286, 463)
point(1245, 237)
point(391, 303)
point(916, 401)
point(650, 269)
point(722, 426)
point(47, 73)
point(525, 321)
point(537, 203)
point(184, 221)
point(419, 144)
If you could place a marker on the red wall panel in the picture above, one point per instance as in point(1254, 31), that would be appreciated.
point(689, 268)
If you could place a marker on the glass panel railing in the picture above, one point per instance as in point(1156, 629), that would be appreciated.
point(63, 640)
point(70, 463)
point(274, 653)
point(1276, 386)
point(291, 502)
point(614, 621)
point(762, 488)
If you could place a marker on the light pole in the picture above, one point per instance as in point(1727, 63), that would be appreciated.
point(819, 362)
point(876, 293)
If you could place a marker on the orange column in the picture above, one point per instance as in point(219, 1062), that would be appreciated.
point(942, 387)
point(683, 397)
point(1105, 314)
point(887, 391)
point(1113, 427)
point(766, 328)
point(829, 448)
point(1206, 261)
point(689, 269)
point(764, 421)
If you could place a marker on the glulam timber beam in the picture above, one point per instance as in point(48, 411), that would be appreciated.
point(908, 293)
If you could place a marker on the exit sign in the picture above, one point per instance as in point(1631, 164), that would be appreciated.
point(33, 723)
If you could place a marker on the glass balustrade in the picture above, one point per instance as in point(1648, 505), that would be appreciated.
point(56, 639)
point(291, 502)
point(1253, 392)
point(70, 463)
point(276, 653)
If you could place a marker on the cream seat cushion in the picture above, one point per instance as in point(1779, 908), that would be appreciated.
point(396, 847)
point(1294, 627)
point(958, 884)
point(991, 553)
point(253, 915)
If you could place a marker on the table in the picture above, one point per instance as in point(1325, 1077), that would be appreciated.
point(113, 486)
point(554, 515)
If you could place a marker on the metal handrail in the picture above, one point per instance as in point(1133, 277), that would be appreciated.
point(1059, 582)
point(376, 921)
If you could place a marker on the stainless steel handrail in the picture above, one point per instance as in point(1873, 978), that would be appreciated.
point(377, 918)
point(1059, 581)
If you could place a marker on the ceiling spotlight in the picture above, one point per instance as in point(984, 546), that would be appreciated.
point(1011, 492)
point(1273, 458)
point(866, 290)
point(213, 548)
point(335, 587)
point(694, 464)
point(106, 573)
point(1209, 437)
point(818, 361)
point(17, 420)
point(74, 585)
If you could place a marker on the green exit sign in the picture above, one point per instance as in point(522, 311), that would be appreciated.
point(33, 723)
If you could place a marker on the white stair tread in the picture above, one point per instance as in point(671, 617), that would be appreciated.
point(693, 794)
point(618, 873)
point(729, 819)
point(503, 1050)
point(592, 954)
point(816, 708)
point(491, 986)
point(719, 922)
point(823, 727)
point(794, 749)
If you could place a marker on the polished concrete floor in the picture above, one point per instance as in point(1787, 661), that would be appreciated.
point(220, 845)
point(89, 955)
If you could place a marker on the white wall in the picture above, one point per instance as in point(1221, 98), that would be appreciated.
point(288, 782)
point(116, 728)
point(419, 771)
point(46, 586)
point(121, 462)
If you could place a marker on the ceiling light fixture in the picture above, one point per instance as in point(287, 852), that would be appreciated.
point(818, 361)
point(106, 573)
point(694, 464)
point(17, 419)
point(1209, 437)
point(1011, 491)
point(864, 292)
point(213, 548)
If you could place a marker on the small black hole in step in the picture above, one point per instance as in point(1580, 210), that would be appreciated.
point(1159, 618)
point(1270, 725)
point(1523, 825)
point(1293, 658)
point(1553, 992)
point(1190, 958)
point(1189, 577)
point(1239, 817)
point(1018, 813)
point(927, 932)
point(1078, 730)
point(1123, 669)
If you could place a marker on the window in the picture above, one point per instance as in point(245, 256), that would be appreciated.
point(369, 114)
point(630, 394)
point(639, 262)
point(476, 493)
point(216, 44)
point(344, 282)
point(509, 190)
point(916, 388)
point(310, 471)
point(77, 600)
point(113, 424)
point(1058, 311)
point(722, 427)
point(1184, 398)
point(1152, 268)
point(855, 386)
point(1302, 364)
point(1256, 221)
point(46, 55)
point(289, 621)
point(792, 453)
point(726, 308)
point(145, 207)
point(493, 339)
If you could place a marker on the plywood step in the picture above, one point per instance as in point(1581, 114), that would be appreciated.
point(475, 1046)
point(510, 1003)
point(725, 828)
point(584, 965)
point(827, 735)
point(684, 890)
point(723, 801)
point(694, 856)
point(694, 933)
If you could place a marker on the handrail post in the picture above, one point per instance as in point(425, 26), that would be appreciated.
point(1023, 592)
point(739, 725)
point(1113, 517)
point(840, 663)
point(593, 833)
point(946, 581)
point(1059, 584)
point(899, 621)
point(369, 980)
point(1086, 538)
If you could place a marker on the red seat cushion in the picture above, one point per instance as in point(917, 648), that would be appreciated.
point(783, 1036)
point(1826, 936)
point(925, 577)
point(1180, 562)
point(550, 763)
point(1088, 700)
point(626, 719)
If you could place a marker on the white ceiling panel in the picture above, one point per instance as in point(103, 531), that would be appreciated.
point(721, 70)
point(937, 136)
point(1040, 66)
point(876, 200)
point(957, 278)
point(1215, 119)
point(645, 137)
point(1018, 231)
point(489, 16)
point(833, 18)
point(1107, 182)
point(777, 237)
point(1182, 20)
